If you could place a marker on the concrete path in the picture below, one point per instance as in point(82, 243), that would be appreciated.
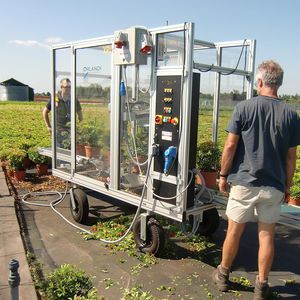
point(11, 247)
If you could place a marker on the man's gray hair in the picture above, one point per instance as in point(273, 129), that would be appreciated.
point(270, 73)
point(65, 79)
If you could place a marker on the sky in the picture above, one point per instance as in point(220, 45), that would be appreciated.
point(29, 28)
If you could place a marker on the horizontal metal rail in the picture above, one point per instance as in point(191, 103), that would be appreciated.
point(225, 70)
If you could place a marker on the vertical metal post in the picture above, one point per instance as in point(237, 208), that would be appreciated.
point(14, 279)
point(217, 97)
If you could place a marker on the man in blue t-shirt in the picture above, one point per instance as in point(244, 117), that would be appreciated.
point(259, 160)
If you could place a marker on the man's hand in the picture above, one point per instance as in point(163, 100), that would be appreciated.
point(49, 129)
point(223, 186)
point(287, 195)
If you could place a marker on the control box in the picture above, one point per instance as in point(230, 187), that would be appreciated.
point(168, 118)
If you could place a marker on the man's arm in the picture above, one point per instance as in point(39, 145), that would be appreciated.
point(291, 158)
point(46, 118)
point(227, 159)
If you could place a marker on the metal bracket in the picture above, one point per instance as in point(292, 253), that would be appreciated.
point(72, 199)
point(143, 230)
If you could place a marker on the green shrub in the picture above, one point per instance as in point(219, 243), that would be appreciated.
point(38, 158)
point(91, 133)
point(16, 159)
point(67, 282)
point(208, 156)
point(4, 153)
point(92, 295)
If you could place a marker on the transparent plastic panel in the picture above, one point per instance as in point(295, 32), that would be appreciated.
point(205, 122)
point(235, 57)
point(205, 56)
point(170, 49)
point(62, 110)
point(134, 126)
point(232, 91)
point(93, 83)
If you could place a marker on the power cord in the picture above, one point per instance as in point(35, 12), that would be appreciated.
point(62, 197)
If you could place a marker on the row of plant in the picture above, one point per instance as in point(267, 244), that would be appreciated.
point(21, 137)
point(22, 132)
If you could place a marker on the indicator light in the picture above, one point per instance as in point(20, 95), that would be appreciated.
point(166, 119)
point(167, 110)
point(175, 121)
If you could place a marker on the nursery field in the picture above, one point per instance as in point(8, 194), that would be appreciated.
point(22, 127)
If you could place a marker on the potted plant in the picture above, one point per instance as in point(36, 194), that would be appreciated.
point(41, 161)
point(16, 163)
point(208, 162)
point(80, 150)
point(92, 133)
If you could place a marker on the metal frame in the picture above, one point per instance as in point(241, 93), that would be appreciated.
point(179, 212)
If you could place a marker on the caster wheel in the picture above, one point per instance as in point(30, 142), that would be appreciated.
point(81, 211)
point(155, 237)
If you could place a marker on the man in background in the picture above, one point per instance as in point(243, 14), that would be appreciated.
point(63, 112)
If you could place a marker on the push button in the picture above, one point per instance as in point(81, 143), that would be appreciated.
point(158, 119)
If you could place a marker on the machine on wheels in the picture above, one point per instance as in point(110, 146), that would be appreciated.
point(138, 91)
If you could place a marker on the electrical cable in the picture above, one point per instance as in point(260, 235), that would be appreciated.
point(238, 62)
point(196, 218)
point(206, 70)
point(150, 83)
point(176, 196)
point(131, 128)
point(62, 197)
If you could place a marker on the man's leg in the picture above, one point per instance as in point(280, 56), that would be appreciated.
point(266, 233)
point(230, 248)
point(231, 243)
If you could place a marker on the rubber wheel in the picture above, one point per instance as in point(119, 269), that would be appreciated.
point(210, 222)
point(155, 236)
point(81, 212)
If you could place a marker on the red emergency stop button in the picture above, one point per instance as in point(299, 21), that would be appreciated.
point(175, 121)
point(158, 119)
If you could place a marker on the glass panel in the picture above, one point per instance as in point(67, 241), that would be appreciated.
point(205, 123)
point(234, 57)
point(170, 49)
point(63, 61)
point(93, 80)
point(232, 91)
point(205, 56)
point(134, 127)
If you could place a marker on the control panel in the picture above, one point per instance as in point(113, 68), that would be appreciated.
point(168, 118)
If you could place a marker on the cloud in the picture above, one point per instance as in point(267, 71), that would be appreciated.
point(53, 40)
point(48, 42)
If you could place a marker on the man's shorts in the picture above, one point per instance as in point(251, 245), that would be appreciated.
point(254, 203)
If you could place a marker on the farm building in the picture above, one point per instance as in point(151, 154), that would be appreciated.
point(12, 89)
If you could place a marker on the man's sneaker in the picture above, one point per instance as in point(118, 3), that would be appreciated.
point(261, 290)
point(220, 277)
